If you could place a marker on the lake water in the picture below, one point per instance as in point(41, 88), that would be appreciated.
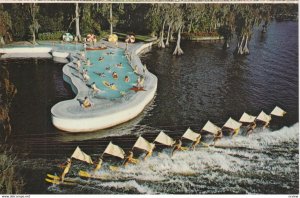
point(205, 83)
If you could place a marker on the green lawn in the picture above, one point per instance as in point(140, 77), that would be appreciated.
point(142, 38)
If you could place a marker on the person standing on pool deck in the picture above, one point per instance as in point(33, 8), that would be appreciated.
point(95, 89)
point(84, 46)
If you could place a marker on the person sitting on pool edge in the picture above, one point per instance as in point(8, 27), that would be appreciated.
point(135, 69)
point(78, 63)
point(95, 89)
point(86, 103)
point(88, 62)
point(86, 77)
point(126, 79)
point(115, 75)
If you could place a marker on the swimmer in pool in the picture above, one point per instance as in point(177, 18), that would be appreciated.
point(126, 79)
point(115, 75)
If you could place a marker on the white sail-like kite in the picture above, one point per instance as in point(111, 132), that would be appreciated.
point(114, 150)
point(142, 143)
point(80, 155)
point(264, 117)
point(277, 111)
point(191, 135)
point(232, 124)
point(247, 118)
point(210, 127)
point(164, 139)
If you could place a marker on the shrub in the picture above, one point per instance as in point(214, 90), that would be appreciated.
point(51, 35)
point(10, 182)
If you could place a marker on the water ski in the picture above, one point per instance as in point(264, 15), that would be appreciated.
point(107, 84)
point(183, 148)
point(53, 176)
point(205, 144)
point(114, 168)
point(57, 182)
point(136, 89)
point(86, 174)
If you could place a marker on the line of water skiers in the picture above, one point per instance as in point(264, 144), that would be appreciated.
point(230, 126)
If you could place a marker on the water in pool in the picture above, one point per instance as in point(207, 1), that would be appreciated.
point(101, 72)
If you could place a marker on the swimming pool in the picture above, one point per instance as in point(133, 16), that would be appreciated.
point(108, 107)
point(101, 72)
point(66, 47)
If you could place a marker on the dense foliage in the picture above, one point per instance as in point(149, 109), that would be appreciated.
point(25, 21)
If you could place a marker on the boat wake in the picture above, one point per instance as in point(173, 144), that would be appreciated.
point(248, 164)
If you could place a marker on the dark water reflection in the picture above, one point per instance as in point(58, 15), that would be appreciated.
point(210, 84)
point(205, 83)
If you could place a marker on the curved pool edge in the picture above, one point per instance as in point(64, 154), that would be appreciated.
point(102, 117)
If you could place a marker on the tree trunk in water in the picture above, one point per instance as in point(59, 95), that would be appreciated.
point(110, 19)
point(242, 47)
point(239, 49)
point(264, 30)
point(171, 35)
point(77, 22)
point(161, 43)
point(2, 42)
point(245, 49)
point(226, 44)
point(178, 50)
point(33, 37)
point(168, 36)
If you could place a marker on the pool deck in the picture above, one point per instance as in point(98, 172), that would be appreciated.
point(105, 113)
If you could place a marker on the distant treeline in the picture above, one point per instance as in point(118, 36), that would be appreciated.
point(20, 21)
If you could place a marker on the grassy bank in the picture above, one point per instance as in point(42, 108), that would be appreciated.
point(143, 38)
